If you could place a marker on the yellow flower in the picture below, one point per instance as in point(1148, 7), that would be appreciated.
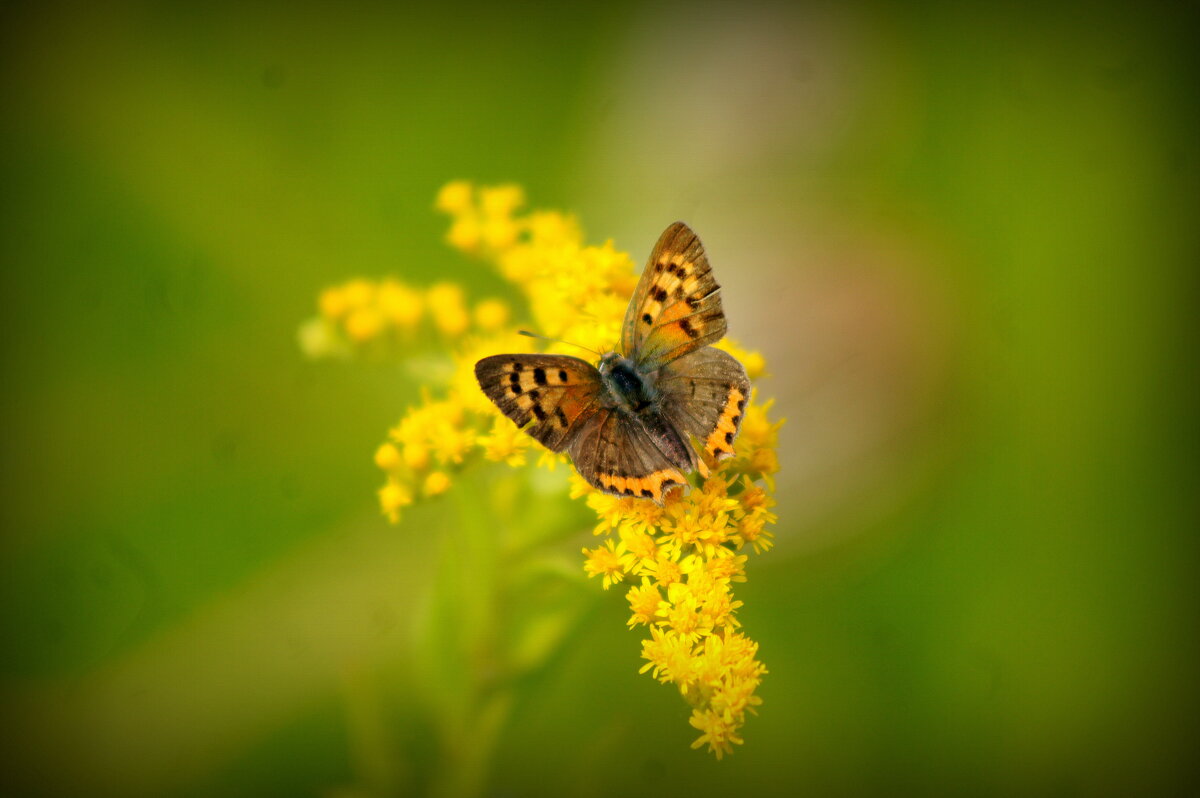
point(505, 442)
point(608, 507)
point(392, 497)
point(719, 606)
point(643, 516)
point(332, 303)
point(465, 234)
point(491, 315)
point(363, 311)
point(499, 233)
point(757, 430)
point(720, 731)
point(416, 455)
point(501, 201)
point(455, 197)
point(681, 611)
point(754, 363)
point(665, 570)
point(550, 230)
point(387, 457)
point(643, 602)
point(731, 567)
point(735, 697)
point(447, 308)
point(364, 323)
point(436, 483)
point(435, 430)
point(604, 561)
point(358, 293)
point(400, 304)
point(640, 547)
point(751, 529)
point(669, 656)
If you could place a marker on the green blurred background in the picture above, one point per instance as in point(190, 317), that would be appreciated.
point(964, 238)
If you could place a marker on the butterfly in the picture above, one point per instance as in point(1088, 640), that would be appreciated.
point(628, 422)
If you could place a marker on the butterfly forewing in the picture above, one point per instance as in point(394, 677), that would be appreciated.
point(676, 307)
point(555, 392)
point(705, 395)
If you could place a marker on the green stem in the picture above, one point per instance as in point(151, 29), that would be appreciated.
point(468, 741)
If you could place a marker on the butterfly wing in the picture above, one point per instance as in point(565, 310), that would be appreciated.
point(557, 393)
point(676, 308)
point(614, 453)
point(704, 394)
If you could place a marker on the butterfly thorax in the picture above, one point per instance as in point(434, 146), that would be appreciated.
point(630, 389)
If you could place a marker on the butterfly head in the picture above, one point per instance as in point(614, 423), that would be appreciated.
point(609, 360)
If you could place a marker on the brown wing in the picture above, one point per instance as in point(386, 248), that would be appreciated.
point(676, 307)
point(556, 392)
point(705, 395)
point(614, 453)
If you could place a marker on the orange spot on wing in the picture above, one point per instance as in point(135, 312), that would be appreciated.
point(727, 425)
point(674, 313)
point(654, 482)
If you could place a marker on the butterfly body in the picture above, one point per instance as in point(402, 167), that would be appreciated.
point(628, 423)
point(626, 387)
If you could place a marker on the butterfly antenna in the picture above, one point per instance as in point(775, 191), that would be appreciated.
point(557, 341)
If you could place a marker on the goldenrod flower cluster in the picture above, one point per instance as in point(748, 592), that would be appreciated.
point(681, 558)
point(390, 315)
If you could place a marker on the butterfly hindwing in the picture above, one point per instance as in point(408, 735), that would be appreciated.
point(614, 453)
point(705, 394)
point(555, 392)
point(676, 307)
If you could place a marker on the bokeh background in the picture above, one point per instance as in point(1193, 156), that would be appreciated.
point(964, 237)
